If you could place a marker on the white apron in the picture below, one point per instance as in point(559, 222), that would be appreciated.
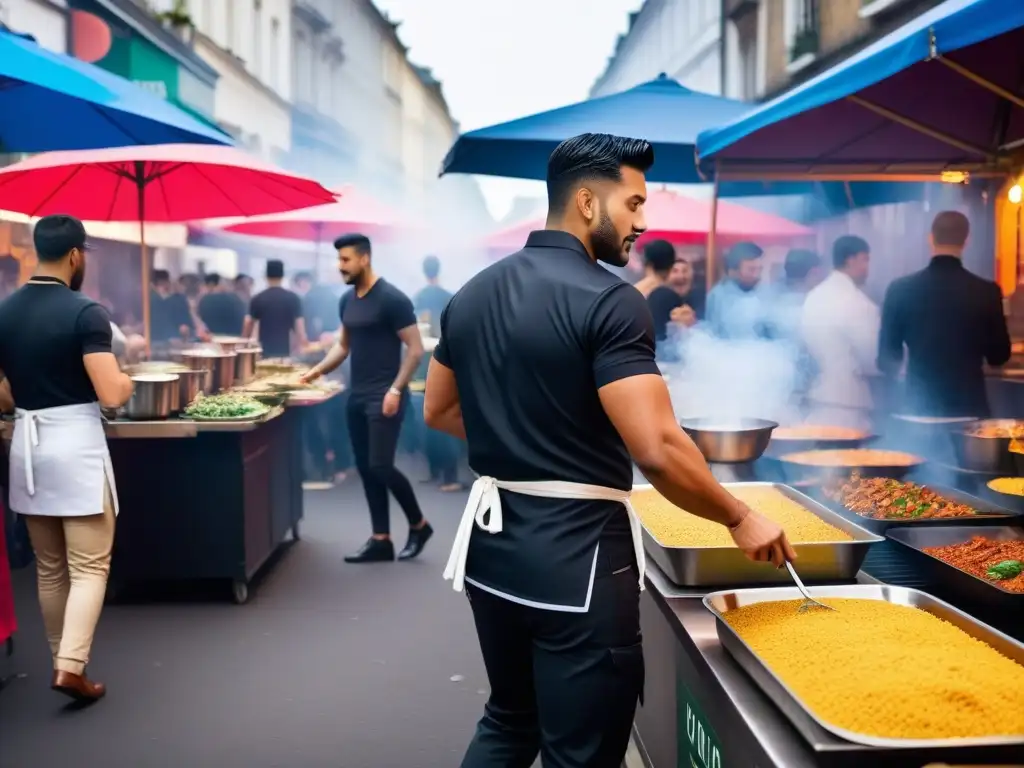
point(60, 464)
point(484, 496)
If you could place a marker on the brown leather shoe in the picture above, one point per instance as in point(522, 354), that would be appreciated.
point(78, 687)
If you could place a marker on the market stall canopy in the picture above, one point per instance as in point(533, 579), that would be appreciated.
point(353, 211)
point(683, 221)
point(939, 93)
point(50, 101)
point(662, 111)
point(170, 182)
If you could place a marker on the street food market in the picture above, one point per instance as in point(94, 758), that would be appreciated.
point(718, 424)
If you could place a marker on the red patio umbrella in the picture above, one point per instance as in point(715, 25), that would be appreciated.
point(683, 221)
point(162, 183)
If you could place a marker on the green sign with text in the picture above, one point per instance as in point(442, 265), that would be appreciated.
point(699, 746)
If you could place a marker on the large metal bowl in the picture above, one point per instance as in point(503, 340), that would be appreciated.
point(730, 442)
point(983, 454)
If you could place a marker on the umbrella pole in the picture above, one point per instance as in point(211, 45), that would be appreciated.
point(140, 185)
point(710, 261)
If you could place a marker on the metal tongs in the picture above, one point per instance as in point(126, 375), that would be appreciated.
point(809, 602)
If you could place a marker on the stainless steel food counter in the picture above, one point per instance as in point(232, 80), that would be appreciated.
point(701, 710)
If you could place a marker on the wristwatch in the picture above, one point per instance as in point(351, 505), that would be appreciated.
point(394, 391)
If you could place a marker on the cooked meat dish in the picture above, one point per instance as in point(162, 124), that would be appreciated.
point(1000, 562)
point(853, 457)
point(884, 499)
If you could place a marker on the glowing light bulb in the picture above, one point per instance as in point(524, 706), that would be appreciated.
point(1015, 194)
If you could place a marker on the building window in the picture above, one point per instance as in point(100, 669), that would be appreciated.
point(256, 65)
point(273, 62)
point(801, 31)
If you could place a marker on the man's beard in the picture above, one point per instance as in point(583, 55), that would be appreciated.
point(77, 279)
point(606, 245)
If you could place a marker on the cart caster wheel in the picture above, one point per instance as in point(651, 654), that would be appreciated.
point(295, 533)
point(240, 592)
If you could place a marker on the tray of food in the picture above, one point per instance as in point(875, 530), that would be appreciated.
point(890, 667)
point(694, 552)
point(879, 503)
point(984, 565)
point(805, 437)
point(227, 406)
point(843, 462)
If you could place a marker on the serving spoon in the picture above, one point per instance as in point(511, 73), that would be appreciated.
point(809, 602)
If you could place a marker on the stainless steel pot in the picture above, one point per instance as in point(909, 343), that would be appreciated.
point(154, 396)
point(730, 442)
point(220, 365)
point(190, 384)
point(245, 364)
point(231, 343)
point(983, 454)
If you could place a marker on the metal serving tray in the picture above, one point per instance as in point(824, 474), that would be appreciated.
point(948, 577)
point(728, 566)
point(720, 603)
point(989, 513)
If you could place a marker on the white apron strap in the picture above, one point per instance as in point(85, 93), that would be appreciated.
point(484, 497)
point(30, 439)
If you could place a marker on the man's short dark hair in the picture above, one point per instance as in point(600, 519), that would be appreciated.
point(211, 278)
point(592, 156)
point(659, 255)
point(950, 228)
point(241, 277)
point(161, 276)
point(800, 262)
point(55, 236)
point(846, 247)
point(431, 267)
point(303, 276)
point(275, 269)
point(360, 243)
point(745, 251)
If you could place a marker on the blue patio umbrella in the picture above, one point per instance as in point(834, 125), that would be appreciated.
point(941, 92)
point(662, 111)
point(49, 101)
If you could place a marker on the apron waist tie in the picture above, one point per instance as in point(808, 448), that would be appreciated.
point(484, 497)
point(30, 439)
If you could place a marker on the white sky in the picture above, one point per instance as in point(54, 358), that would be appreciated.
point(503, 59)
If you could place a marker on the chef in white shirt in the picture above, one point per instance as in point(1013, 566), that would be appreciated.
point(839, 327)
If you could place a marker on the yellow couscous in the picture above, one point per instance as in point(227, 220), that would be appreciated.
point(674, 527)
point(886, 670)
point(1013, 486)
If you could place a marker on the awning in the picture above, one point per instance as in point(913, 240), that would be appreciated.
point(937, 94)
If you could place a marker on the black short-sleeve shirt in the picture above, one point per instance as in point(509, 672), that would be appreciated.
point(372, 323)
point(276, 309)
point(531, 339)
point(661, 301)
point(45, 330)
point(223, 312)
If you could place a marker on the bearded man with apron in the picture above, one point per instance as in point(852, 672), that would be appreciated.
point(56, 355)
point(546, 366)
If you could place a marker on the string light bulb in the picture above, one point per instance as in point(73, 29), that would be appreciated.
point(1015, 194)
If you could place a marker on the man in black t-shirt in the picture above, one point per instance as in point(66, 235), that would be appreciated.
point(58, 367)
point(220, 309)
point(376, 320)
point(546, 366)
point(275, 314)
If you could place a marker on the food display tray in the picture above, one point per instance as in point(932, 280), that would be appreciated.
point(989, 513)
point(720, 603)
point(728, 566)
point(949, 578)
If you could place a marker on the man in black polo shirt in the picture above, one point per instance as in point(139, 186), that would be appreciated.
point(220, 309)
point(275, 314)
point(546, 365)
point(376, 320)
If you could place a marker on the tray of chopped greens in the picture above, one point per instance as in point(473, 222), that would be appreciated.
point(229, 406)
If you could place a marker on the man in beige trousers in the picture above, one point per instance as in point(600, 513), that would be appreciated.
point(59, 368)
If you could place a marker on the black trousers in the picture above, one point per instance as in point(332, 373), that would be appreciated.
point(374, 442)
point(562, 684)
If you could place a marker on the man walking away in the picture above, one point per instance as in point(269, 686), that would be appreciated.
point(376, 320)
point(220, 309)
point(59, 366)
point(951, 322)
point(546, 365)
point(431, 300)
point(659, 256)
point(275, 314)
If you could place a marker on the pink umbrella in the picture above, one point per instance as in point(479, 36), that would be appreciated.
point(162, 183)
point(683, 221)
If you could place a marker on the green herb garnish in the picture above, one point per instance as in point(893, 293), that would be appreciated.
point(1005, 570)
point(225, 406)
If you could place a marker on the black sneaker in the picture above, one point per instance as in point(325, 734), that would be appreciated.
point(418, 538)
point(373, 551)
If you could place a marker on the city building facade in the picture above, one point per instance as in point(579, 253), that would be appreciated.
point(45, 20)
